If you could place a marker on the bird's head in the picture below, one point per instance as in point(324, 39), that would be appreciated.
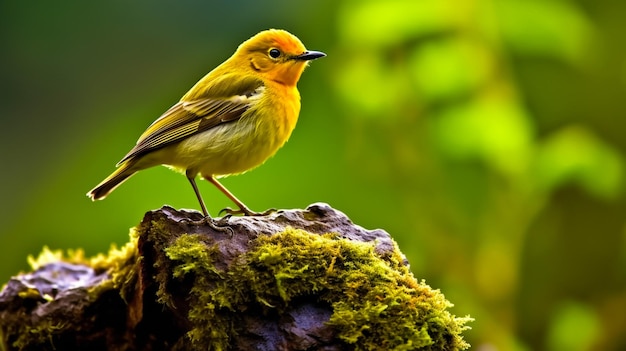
point(276, 55)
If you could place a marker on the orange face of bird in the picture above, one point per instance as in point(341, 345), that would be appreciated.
point(277, 55)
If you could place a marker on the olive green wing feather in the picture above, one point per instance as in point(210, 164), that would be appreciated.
point(187, 118)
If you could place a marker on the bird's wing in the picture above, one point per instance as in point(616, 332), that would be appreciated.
point(187, 118)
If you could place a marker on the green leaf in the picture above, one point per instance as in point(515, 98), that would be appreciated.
point(494, 130)
point(574, 326)
point(385, 23)
point(549, 28)
point(575, 155)
point(447, 68)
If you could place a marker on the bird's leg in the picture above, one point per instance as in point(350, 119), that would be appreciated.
point(207, 218)
point(192, 180)
point(243, 209)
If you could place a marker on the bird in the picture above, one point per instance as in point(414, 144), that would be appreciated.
point(232, 120)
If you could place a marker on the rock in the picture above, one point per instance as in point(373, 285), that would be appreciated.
point(293, 280)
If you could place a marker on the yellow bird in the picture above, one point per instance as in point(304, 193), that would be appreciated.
point(231, 121)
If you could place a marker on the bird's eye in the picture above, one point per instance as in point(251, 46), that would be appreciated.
point(274, 53)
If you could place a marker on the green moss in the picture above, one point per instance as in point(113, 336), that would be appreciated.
point(121, 265)
point(376, 301)
point(115, 262)
point(211, 324)
point(39, 334)
point(118, 264)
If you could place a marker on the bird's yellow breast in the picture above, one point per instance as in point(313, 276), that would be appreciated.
point(241, 145)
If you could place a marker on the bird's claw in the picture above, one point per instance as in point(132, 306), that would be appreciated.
point(223, 221)
point(267, 212)
point(220, 226)
point(246, 212)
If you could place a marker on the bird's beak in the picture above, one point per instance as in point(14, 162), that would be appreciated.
point(309, 55)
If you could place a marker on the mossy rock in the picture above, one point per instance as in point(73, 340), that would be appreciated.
point(294, 280)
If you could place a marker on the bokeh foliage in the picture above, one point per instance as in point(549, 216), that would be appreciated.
point(487, 136)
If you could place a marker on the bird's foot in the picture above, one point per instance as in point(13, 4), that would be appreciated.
point(246, 211)
point(220, 225)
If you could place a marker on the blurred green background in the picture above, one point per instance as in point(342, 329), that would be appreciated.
point(487, 136)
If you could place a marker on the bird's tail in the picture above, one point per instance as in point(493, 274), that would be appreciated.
point(111, 182)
